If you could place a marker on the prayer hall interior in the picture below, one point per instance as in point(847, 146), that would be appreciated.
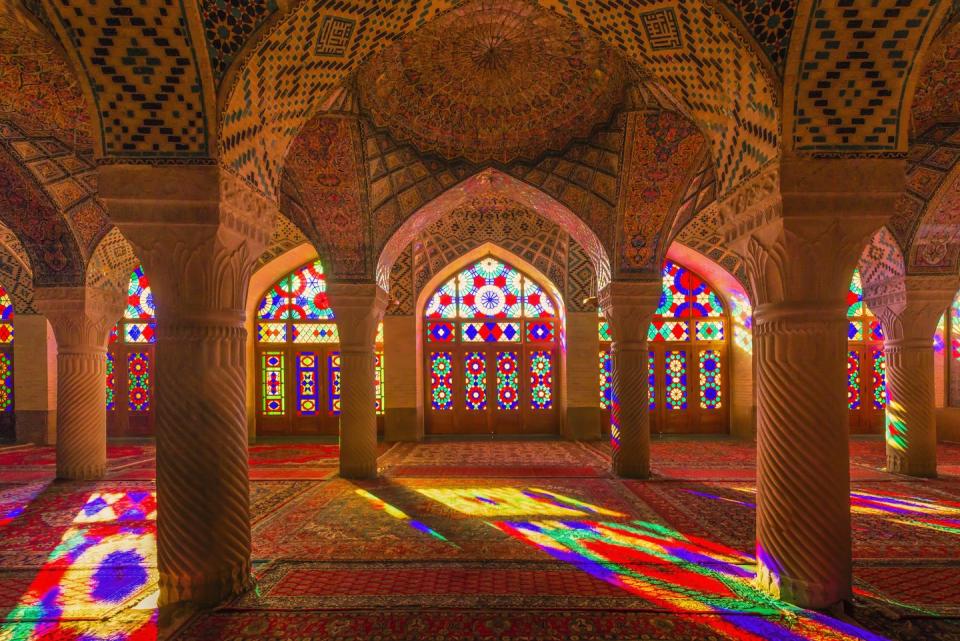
point(479, 320)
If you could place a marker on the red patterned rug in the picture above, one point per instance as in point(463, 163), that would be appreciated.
point(931, 590)
point(491, 471)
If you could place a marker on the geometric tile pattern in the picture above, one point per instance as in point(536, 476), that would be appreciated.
point(882, 260)
point(937, 98)
point(857, 60)
point(770, 23)
point(15, 272)
point(701, 191)
point(715, 75)
point(142, 68)
point(112, 263)
point(285, 236)
point(227, 25)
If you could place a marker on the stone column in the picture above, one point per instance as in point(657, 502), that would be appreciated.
point(628, 307)
point(199, 232)
point(800, 227)
point(358, 309)
point(81, 318)
point(909, 308)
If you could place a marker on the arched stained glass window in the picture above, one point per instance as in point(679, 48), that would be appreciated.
point(6, 361)
point(687, 360)
point(131, 361)
point(492, 344)
point(298, 357)
point(866, 363)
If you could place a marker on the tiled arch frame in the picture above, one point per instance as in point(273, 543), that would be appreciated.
point(731, 96)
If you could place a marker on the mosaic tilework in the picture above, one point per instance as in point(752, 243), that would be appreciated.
point(15, 272)
point(701, 191)
point(227, 25)
point(401, 284)
point(937, 97)
point(770, 22)
point(702, 233)
point(141, 66)
point(926, 218)
point(285, 237)
point(881, 260)
point(112, 262)
point(716, 76)
point(324, 195)
point(846, 43)
point(581, 282)
point(662, 150)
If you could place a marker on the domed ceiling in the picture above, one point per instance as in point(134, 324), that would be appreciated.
point(494, 80)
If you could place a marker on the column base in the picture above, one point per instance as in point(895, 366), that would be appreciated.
point(358, 471)
point(81, 472)
point(630, 469)
point(203, 590)
point(922, 469)
point(813, 596)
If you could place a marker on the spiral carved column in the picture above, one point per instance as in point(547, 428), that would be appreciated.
point(358, 308)
point(81, 319)
point(909, 307)
point(628, 307)
point(199, 232)
point(803, 503)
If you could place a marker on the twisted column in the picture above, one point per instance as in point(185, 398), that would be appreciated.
point(803, 503)
point(628, 307)
point(909, 307)
point(358, 309)
point(81, 319)
point(199, 232)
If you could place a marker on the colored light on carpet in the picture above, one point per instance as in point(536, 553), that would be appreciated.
point(511, 501)
point(15, 502)
point(397, 513)
point(104, 564)
point(678, 573)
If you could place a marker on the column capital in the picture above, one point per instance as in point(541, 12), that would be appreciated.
point(628, 306)
point(81, 317)
point(909, 306)
point(358, 308)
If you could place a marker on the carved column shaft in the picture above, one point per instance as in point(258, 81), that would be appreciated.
point(629, 306)
point(81, 319)
point(358, 308)
point(198, 232)
point(909, 308)
point(800, 227)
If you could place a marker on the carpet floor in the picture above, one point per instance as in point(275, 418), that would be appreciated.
point(477, 540)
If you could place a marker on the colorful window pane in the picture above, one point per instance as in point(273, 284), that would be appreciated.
point(855, 296)
point(441, 380)
point(672, 297)
point(955, 328)
point(685, 293)
point(111, 383)
point(651, 381)
point(536, 304)
point(271, 332)
point(939, 337)
point(853, 380)
point(710, 387)
point(489, 289)
point(333, 383)
point(879, 379)
point(114, 334)
point(443, 303)
point(6, 306)
point(6, 333)
point(541, 331)
point(138, 381)
point(6, 383)
point(675, 370)
point(301, 295)
point(606, 378)
point(541, 380)
point(876, 330)
point(139, 333)
point(490, 332)
point(272, 386)
point(508, 381)
point(378, 383)
point(378, 339)
point(742, 314)
point(711, 330)
point(603, 329)
point(314, 333)
point(855, 330)
point(475, 380)
point(308, 390)
point(139, 297)
point(668, 330)
point(440, 332)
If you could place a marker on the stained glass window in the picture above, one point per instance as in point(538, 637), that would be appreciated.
point(710, 389)
point(540, 331)
point(272, 386)
point(536, 304)
point(314, 333)
point(742, 314)
point(111, 383)
point(138, 381)
point(668, 330)
point(440, 332)
point(139, 297)
point(6, 356)
point(302, 295)
point(490, 332)
point(675, 370)
point(709, 330)
point(441, 380)
point(272, 332)
point(443, 302)
point(378, 384)
point(6, 383)
point(955, 329)
point(475, 380)
point(508, 381)
point(308, 390)
point(606, 379)
point(541, 380)
point(879, 379)
point(333, 383)
point(6, 318)
point(853, 380)
point(651, 381)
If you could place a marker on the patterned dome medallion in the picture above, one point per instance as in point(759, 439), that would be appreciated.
point(492, 80)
